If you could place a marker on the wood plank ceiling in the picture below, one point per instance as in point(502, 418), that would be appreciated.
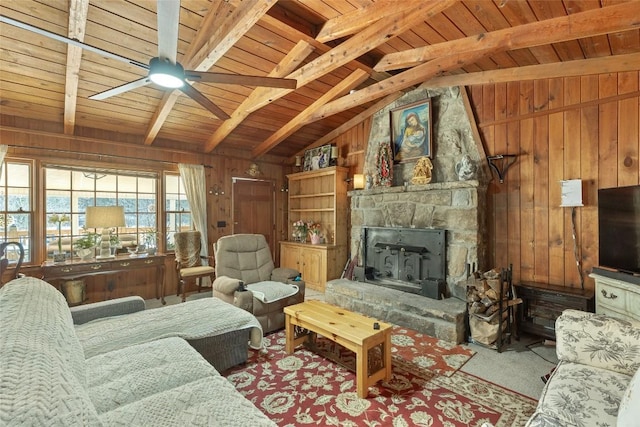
point(346, 55)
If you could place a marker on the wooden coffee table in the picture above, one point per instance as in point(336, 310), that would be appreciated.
point(351, 330)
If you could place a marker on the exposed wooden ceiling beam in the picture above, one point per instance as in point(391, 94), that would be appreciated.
point(271, 23)
point(289, 63)
point(372, 36)
point(610, 19)
point(411, 77)
point(77, 23)
point(582, 67)
point(343, 54)
point(222, 28)
point(353, 80)
point(434, 67)
point(351, 23)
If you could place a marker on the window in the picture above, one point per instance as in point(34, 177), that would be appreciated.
point(176, 208)
point(16, 207)
point(69, 191)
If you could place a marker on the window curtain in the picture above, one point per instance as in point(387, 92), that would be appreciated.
point(194, 183)
point(3, 153)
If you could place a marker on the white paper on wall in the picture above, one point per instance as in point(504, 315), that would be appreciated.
point(571, 193)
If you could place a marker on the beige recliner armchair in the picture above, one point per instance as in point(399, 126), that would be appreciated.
point(246, 277)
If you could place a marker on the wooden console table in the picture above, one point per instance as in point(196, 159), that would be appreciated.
point(542, 304)
point(74, 269)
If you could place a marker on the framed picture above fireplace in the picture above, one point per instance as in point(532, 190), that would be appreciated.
point(411, 131)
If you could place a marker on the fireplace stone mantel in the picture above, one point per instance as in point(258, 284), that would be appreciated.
point(457, 207)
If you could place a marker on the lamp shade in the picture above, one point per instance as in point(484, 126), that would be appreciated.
point(105, 216)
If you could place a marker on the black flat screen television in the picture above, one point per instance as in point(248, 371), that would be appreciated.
point(619, 228)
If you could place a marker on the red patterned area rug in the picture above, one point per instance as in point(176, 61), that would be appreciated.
point(307, 389)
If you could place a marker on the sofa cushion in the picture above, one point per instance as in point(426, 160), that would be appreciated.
point(630, 404)
point(191, 320)
point(210, 401)
point(124, 376)
point(42, 369)
point(580, 395)
point(598, 340)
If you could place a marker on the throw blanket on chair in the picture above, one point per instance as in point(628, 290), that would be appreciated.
point(190, 320)
point(269, 291)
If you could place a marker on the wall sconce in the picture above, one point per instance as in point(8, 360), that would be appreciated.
point(358, 181)
point(298, 161)
point(216, 190)
point(284, 188)
point(334, 156)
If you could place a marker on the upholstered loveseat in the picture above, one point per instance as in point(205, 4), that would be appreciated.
point(247, 258)
point(46, 378)
point(597, 382)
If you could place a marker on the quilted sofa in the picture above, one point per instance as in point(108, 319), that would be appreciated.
point(597, 381)
point(46, 378)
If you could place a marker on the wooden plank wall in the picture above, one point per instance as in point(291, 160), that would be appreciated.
point(566, 128)
point(352, 146)
point(43, 142)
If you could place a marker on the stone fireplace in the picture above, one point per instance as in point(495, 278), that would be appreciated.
point(408, 259)
point(452, 204)
point(454, 208)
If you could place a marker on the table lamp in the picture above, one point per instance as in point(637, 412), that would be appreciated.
point(105, 217)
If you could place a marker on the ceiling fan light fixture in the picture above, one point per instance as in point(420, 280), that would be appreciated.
point(166, 74)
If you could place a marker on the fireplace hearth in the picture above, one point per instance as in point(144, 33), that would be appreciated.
point(406, 259)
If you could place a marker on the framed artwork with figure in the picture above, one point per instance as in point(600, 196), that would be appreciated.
point(411, 131)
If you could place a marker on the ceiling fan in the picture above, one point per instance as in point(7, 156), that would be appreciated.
point(164, 70)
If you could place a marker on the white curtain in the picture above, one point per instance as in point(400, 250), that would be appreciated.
point(3, 153)
point(195, 188)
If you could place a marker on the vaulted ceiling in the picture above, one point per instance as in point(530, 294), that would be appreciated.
point(349, 58)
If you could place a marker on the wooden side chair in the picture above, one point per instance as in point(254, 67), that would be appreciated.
point(190, 264)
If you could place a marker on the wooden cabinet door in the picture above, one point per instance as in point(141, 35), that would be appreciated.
point(314, 268)
point(290, 257)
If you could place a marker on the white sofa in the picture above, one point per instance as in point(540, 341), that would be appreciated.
point(45, 378)
point(597, 381)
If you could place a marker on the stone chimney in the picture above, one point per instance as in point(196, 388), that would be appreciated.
point(452, 201)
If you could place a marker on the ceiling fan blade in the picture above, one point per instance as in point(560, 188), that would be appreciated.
point(191, 92)
point(168, 23)
point(121, 89)
point(239, 79)
point(72, 42)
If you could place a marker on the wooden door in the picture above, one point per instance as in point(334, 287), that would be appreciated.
point(253, 208)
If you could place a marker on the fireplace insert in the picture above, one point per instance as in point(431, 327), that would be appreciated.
point(408, 259)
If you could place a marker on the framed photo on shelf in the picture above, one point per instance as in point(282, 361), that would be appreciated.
point(411, 131)
point(317, 158)
point(325, 156)
point(307, 161)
